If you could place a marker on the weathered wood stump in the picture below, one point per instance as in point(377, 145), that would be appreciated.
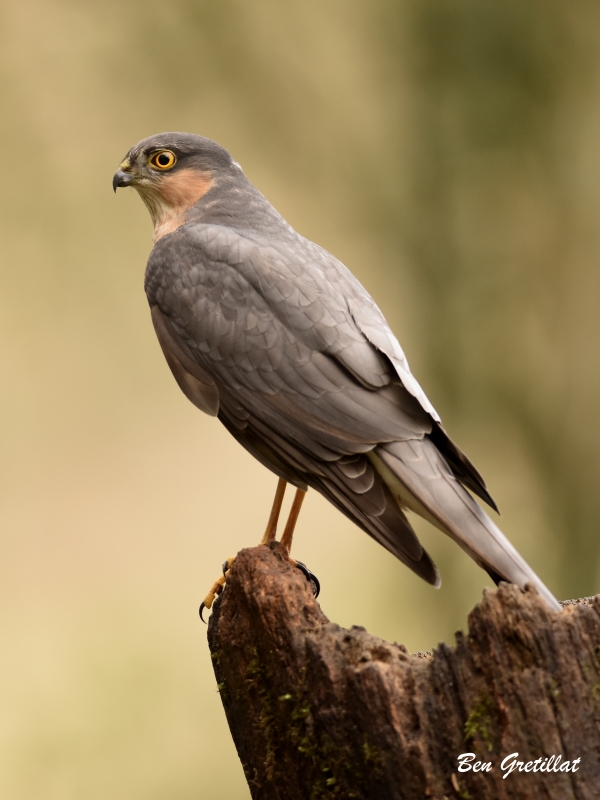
point(318, 711)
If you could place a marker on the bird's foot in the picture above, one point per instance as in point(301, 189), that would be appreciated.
point(310, 576)
point(216, 588)
point(218, 585)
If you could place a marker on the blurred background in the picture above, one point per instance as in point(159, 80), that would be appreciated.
point(448, 152)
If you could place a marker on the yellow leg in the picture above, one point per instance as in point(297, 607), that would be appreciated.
point(288, 533)
point(275, 511)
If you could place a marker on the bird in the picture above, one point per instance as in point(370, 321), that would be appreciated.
point(273, 335)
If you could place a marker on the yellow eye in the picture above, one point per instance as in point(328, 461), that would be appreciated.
point(164, 159)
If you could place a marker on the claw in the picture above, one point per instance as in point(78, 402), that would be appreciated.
point(216, 588)
point(310, 577)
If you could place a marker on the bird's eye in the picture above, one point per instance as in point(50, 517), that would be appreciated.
point(164, 159)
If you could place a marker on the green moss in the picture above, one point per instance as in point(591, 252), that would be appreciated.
point(251, 775)
point(284, 723)
point(372, 757)
point(257, 678)
point(479, 722)
point(253, 667)
point(301, 710)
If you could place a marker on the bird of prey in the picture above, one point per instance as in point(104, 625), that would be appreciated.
point(272, 334)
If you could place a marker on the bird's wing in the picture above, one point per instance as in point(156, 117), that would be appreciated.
point(372, 324)
point(269, 337)
point(369, 320)
point(294, 325)
point(302, 412)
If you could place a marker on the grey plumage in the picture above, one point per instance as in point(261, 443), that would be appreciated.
point(275, 336)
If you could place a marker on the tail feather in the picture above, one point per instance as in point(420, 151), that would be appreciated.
point(460, 465)
point(423, 482)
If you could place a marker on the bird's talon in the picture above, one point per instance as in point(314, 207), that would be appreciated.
point(310, 577)
point(216, 588)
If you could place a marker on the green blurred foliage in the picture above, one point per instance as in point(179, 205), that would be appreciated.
point(448, 153)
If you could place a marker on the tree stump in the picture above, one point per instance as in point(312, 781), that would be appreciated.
point(318, 711)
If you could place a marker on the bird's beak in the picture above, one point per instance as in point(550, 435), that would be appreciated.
point(122, 178)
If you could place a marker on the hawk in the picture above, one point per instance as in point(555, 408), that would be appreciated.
point(273, 335)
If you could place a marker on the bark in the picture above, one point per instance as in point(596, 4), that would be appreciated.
point(318, 711)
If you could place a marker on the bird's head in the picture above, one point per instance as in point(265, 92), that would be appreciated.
point(172, 172)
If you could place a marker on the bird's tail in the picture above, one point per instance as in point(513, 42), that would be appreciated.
point(422, 482)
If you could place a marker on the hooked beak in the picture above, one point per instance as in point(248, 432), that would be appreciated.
point(122, 178)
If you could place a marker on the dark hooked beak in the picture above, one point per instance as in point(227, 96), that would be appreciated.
point(122, 178)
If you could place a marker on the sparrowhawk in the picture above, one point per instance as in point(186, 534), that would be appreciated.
point(272, 334)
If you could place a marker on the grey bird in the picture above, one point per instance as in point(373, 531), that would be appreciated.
point(272, 334)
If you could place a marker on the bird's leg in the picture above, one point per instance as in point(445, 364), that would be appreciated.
point(286, 541)
point(275, 511)
point(288, 533)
